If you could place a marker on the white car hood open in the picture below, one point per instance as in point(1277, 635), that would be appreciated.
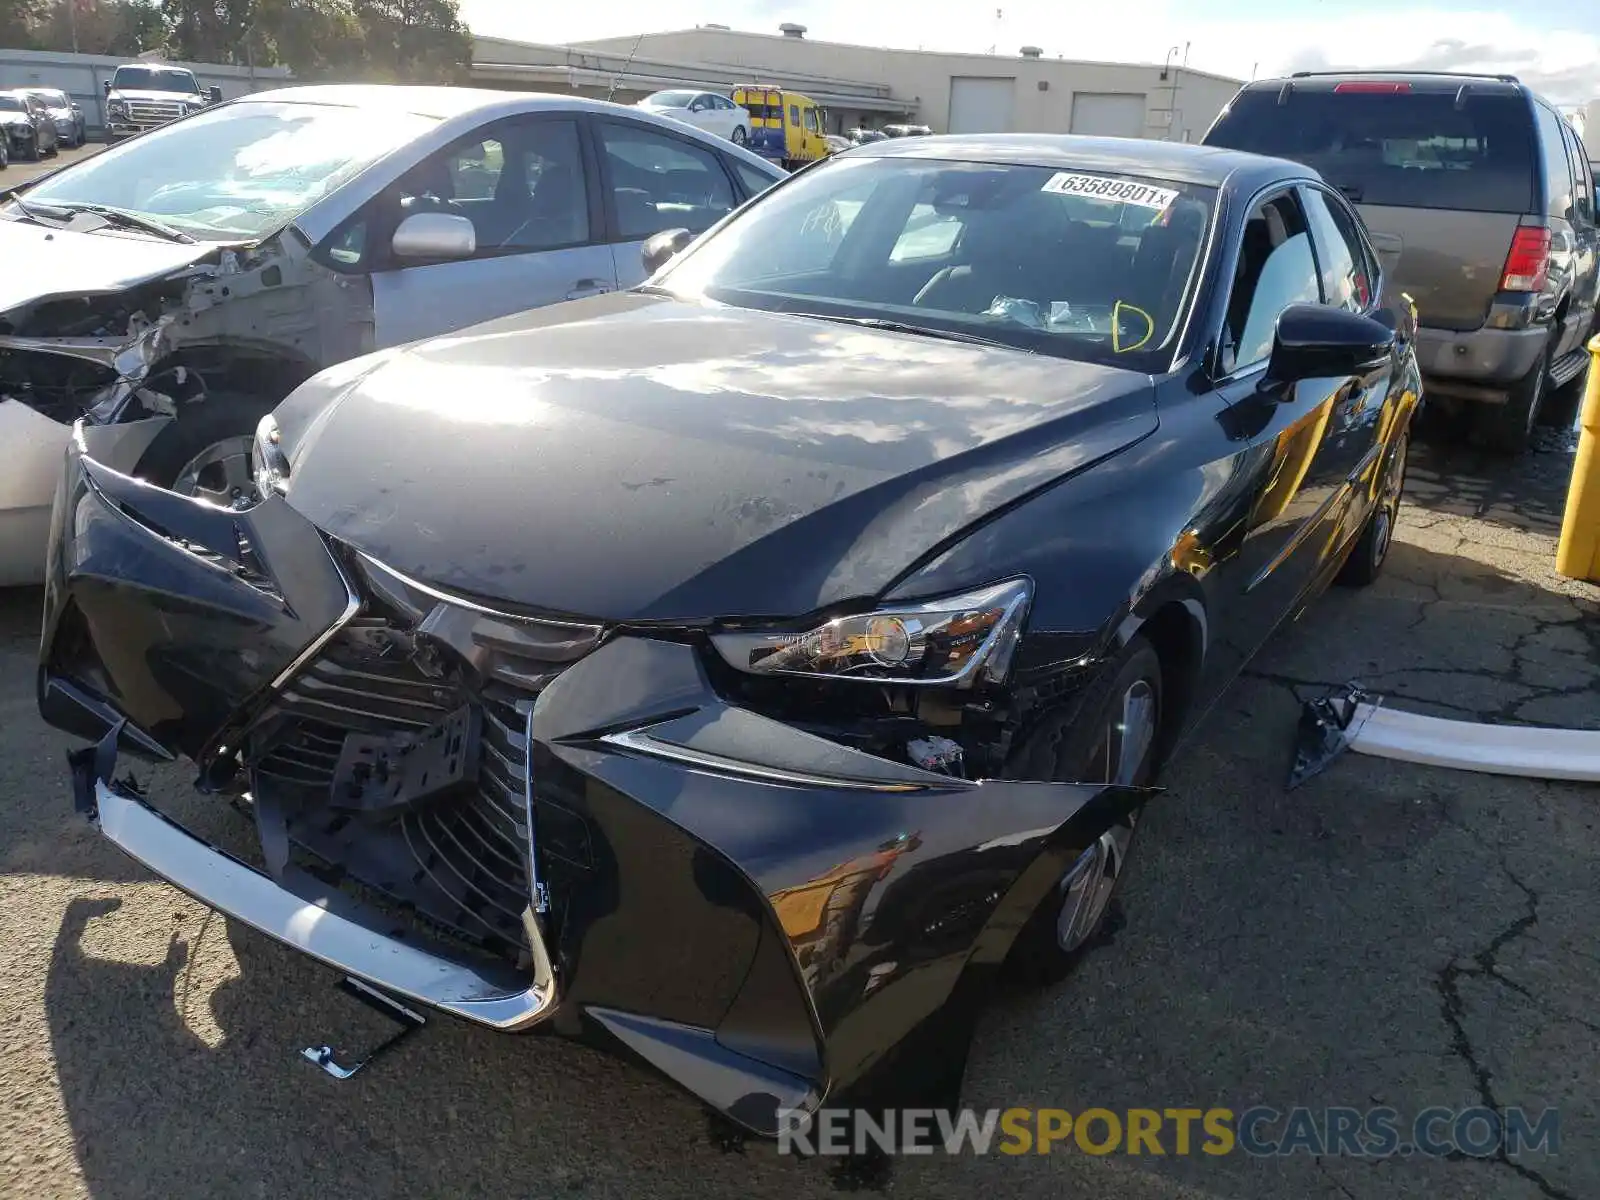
point(41, 261)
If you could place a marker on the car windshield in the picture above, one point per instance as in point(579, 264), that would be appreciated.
point(53, 99)
point(12, 104)
point(1077, 264)
point(152, 79)
point(673, 99)
point(240, 171)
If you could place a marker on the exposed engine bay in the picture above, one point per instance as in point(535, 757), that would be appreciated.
point(217, 323)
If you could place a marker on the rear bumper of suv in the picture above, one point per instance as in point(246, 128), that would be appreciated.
point(1488, 359)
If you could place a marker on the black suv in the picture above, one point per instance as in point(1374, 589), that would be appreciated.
point(1481, 204)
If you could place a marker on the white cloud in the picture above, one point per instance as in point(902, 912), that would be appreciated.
point(1564, 63)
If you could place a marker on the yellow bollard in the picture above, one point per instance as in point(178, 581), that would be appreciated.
point(1578, 554)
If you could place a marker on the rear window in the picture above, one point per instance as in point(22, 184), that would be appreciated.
point(1416, 150)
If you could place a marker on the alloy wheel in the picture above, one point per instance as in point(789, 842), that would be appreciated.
point(1388, 512)
point(220, 473)
point(1120, 757)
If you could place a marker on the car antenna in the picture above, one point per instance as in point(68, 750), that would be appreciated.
point(628, 62)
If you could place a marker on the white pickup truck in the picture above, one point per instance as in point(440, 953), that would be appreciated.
point(141, 96)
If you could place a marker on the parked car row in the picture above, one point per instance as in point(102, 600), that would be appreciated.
point(28, 130)
point(36, 121)
point(1480, 197)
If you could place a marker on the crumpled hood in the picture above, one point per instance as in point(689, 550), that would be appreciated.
point(40, 261)
point(635, 457)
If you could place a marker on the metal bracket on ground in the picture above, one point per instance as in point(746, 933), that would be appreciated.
point(407, 1019)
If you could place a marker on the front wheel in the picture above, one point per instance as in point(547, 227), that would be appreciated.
point(205, 452)
point(1372, 547)
point(739, 135)
point(1108, 736)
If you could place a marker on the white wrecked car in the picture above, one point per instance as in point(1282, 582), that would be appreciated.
point(181, 284)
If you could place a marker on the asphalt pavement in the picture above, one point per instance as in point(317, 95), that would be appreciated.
point(1386, 935)
point(21, 172)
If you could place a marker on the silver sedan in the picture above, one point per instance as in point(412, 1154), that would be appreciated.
point(180, 284)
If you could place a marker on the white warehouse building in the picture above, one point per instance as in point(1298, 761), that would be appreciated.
point(866, 85)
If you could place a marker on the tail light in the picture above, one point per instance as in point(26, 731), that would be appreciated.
point(1528, 262)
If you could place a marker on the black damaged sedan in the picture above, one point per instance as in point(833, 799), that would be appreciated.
point(738, 671)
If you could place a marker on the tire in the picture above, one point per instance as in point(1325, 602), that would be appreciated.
point(739, 135)
point(1507, 428)
point(5, 153)
point(218, 425)
point(1371, 550)
point(1077, 745)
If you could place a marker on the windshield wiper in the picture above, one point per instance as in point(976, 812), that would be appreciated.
point(888, 326)
point(13, 198)
point(128, 220)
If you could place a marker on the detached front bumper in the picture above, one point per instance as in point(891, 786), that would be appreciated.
point(767, 917)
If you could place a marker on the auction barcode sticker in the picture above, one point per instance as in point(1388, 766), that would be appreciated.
point(1098, 187)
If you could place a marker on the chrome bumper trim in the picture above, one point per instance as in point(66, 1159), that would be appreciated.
point(237, 890)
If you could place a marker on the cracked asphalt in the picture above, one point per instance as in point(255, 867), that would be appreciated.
point(1384, 935)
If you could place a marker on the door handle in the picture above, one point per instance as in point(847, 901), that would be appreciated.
point(588, 287)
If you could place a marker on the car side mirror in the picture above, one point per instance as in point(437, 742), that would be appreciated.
point(214, 94)
point(1314, 340)
point(105, 86)
point(435, 235)
point(664, 246)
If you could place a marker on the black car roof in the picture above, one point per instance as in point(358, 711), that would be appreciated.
point(1180, 162)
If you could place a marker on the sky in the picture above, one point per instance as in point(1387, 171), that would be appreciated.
point(1553, 47)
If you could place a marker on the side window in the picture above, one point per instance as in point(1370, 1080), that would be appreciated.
point(752, 180)
point(1276, 269)
point(794, 115)
point(475, 169)
point(522, 187)
point(660, 182)
point(1583, 200)
point(1557, 168)
point(811, 120)
point(1345, 282)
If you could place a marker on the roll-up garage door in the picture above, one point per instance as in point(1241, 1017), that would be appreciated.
point(1108, 114)
point(981, 105)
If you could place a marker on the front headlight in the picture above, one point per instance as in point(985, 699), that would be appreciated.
point(117, 108)
point(957, 641)
point(268, 462)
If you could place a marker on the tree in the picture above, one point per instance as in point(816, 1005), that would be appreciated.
point(121, 27)
point(414, 40)
point(18, 21)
